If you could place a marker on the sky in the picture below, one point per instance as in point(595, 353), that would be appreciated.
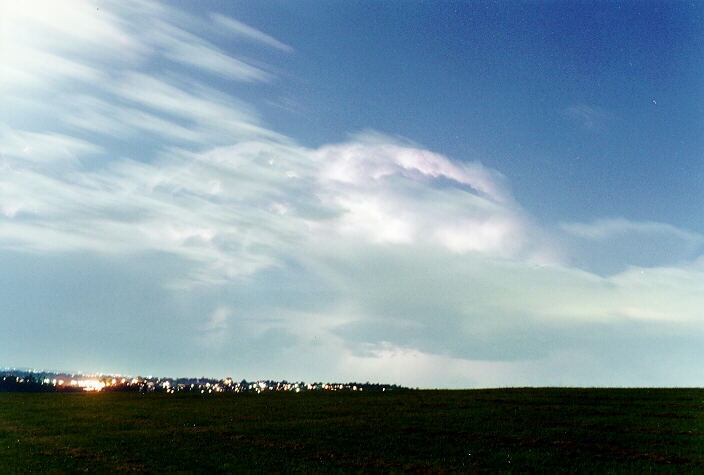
point(432, 194)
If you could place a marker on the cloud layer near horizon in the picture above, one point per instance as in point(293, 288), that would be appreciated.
point(369, 257)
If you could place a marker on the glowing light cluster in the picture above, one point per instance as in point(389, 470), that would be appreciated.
point(90, 384)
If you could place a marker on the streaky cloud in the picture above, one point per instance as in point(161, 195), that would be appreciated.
point(43, 148)
point(239, 29)
point(602, 229)
point(610, 246)
point(189, 49)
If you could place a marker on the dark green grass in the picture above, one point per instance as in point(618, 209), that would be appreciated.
point(546, 430)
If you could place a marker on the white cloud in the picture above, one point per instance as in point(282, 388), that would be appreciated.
point(413, 368)
point(88, 66)
point(189, 49)
point(101, 117)
point(211, 208)
point(493, 234)
point(241, 30)
point(224, 211)
point(215, 330)
point(29, 67)
point(166, 97)
point(607, 228)
point(364, 160)
point(610, 246)
point(388, 193)
point(592, 117)
point(43, 148)
point(39, 37)
point(478, 293)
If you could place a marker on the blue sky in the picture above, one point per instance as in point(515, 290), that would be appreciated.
point(438, 195)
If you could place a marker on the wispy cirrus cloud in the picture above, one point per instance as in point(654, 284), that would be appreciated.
point(241, 30)
point(29, 67)
point(105, 85)
point(70, 35)
point(99, 116)
point(201, 107)
point(183, 47)
point(603, 229)
point(609, 246)
point(591, 117)
point(43, 148)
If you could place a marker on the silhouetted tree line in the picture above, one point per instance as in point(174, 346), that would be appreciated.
point(28, 384)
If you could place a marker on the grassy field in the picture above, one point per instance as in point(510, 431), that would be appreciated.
point(582, 430)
